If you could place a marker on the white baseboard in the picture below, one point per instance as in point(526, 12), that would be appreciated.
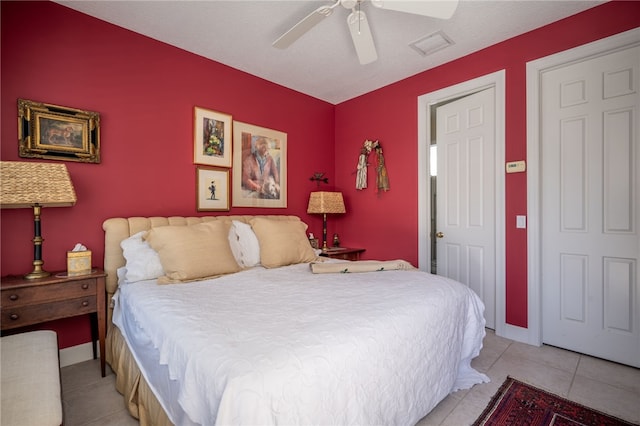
point(76, 354)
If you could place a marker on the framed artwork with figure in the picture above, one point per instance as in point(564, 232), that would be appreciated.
point(212, 135)
point(259, 166)
point(212, 189)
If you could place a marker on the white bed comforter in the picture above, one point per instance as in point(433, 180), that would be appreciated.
point(285, 346)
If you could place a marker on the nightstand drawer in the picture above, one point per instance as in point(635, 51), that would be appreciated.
point(13, 317)
point(15, 297)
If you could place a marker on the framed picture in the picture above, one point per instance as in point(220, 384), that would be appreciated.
point(212, 138)
point(58, 133)
point(259, 166)
point(212, 193)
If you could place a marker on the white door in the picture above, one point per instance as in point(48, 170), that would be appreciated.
point(465, 218)
point(590, 183)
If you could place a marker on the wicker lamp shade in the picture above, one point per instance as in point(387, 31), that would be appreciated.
point(326, 202)
point(25, 185)
point(35, 185)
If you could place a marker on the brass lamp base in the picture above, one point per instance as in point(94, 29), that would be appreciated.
point(37, 272)
point(34, 275)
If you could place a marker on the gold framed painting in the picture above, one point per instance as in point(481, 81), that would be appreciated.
point(58, 133)
point(259, 166)
point(212, 138)
point(212, 189)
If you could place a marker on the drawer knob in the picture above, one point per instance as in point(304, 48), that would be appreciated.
point(85, 286)
point(14, 317)
point(14, 297)
point(85, 303)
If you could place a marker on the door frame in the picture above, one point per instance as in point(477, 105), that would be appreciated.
point(534, 242)
point(426, 106)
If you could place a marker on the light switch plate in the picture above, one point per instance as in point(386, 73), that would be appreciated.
point(521, 221)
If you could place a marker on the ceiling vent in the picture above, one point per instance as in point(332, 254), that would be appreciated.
point(431, 43)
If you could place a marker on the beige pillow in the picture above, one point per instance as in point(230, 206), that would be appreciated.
point(194, 251)
point(282, 242)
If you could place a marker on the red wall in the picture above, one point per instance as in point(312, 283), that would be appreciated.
point(387, 223)
point(145, 92)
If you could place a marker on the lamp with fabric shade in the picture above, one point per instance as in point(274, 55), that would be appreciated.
point(325, 202)
point(35, 185)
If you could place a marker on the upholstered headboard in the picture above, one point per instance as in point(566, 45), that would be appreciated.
point(118, 229)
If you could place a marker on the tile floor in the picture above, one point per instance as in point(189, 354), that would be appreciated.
point(92, 400)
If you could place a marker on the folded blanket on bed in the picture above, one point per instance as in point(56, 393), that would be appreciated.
point(360, 266)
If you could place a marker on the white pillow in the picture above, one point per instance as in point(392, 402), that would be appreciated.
point(244, 244)
point(143, 262)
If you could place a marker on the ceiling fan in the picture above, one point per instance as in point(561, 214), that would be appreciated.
point(359, 25)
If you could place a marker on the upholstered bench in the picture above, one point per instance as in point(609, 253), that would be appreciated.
point(30, 379)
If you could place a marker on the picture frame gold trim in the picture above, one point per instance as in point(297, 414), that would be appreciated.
point(212, 138)
point(250, 188)
point(58, 133)
point(208, 198)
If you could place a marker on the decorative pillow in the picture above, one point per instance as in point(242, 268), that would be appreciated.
point(282, 242)
point(143, 262)
point(244, 244)
point(195, 251)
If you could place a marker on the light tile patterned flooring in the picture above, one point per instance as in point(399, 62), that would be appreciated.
point(615, 389)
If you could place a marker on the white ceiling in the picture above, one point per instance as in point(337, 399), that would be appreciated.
point(323, 62)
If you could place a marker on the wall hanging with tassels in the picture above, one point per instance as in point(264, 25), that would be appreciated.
point(382, 178)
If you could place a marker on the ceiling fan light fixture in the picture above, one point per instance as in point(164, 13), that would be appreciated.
point(431, 43)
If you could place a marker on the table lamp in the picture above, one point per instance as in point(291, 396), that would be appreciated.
point(325, 202)
point(35, 185)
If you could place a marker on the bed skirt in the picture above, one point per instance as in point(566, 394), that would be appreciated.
point(139, 400)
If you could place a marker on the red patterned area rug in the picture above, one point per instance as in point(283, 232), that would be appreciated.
point(517, 403)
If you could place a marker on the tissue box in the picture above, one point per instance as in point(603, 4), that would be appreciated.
point(78, 262)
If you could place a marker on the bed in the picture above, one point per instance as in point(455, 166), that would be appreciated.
point(262, 331)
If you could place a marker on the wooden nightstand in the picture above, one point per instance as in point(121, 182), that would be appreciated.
point(27, 302)
point(343, 253)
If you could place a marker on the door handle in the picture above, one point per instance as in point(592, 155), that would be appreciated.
point(439, 235)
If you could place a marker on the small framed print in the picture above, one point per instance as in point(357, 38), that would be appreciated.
point(212, 144)
point(212, 189)
point(58, 133)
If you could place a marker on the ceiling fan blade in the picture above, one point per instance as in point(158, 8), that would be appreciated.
point(301, 28)
point(361, 35)
point(443, 9)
